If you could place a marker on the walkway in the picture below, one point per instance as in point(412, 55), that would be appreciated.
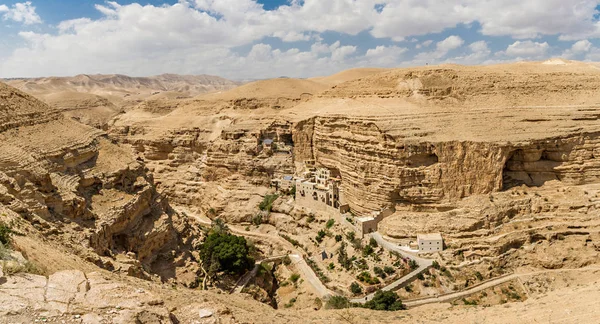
point(484, 285)
point(423, 265)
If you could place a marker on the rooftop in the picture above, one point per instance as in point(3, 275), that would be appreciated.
point(365, 219)
point(429, 236)
point(288, 177)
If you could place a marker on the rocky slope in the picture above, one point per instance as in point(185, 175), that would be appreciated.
point(81, 189)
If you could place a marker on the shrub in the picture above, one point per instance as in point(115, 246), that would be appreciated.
point(435, 265)
point(338, 302)
point(389, 270)
point(291, 240)
point(420, 276)
point(257, 219)
point(310, 218)
point(267, 202)
point(373, 242)
point(294, 278)
point(385, 300)
point(320, 235)
point(355, 288)
point(351, 236)
point(479, 276)
point(413, 264)
point(338, 238)
point(469, 302)
point(287, 261)
point(366, 277)
point(379, 272)
point(367, 250)
point(408, 288)
point(331, 266)
point(5, 233)
point(330, 223)
point(343, 257)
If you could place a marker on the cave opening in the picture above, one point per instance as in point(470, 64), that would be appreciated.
point(532, 168)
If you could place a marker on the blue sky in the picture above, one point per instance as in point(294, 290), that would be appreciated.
point(242, 39)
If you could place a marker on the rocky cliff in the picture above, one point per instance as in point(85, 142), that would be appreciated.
point(81, 189)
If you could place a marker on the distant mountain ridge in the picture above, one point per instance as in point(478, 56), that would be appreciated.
point(99, 83)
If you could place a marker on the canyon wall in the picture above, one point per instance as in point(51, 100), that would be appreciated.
point(378, 170)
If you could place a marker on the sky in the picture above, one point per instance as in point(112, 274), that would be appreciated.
point(255, 39)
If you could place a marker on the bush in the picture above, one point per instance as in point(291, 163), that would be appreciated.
point(320, 235)
point(291, 240)
point(338, 302)
point(367, 250)
point(420, 276)
point(343, 257)
point(373, 242)
point(385, 300)
point(330, 223)
point(389, 270)
point(413, 264)
point(379, 272)
point(5, 233)
point(479, 276)
point(331, 266)
point(267, 202)
point(355, 288)
point(351, 236)
point(366, 277)
point(287, 261)
point(435, 265)
point(294, 278)
point(338, 238)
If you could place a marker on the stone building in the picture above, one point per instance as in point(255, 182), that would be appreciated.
point(319, 190)
point(430, 242)
point(368, 224)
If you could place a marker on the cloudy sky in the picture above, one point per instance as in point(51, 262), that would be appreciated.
point(251, 39)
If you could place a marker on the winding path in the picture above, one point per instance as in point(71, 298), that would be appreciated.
point(484, 285)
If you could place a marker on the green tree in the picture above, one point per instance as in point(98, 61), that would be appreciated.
point(222, 251)
point(338, 238)
point(355, 288)
point(385, 300)
point(373, 242)
point(330, 223)
point(343, 257)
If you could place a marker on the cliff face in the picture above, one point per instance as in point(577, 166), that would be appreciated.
point(378, 170)
point(79, 188)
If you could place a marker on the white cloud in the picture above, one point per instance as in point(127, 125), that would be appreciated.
point(579, 49)
point(527, 49)
point(450, 43)
point(207, 36)
point(581, 46)
point(23, 12)
point(384, 56)
point(479, 47)
point(426, 43)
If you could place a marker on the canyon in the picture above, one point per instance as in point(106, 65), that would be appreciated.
point(503, 160)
